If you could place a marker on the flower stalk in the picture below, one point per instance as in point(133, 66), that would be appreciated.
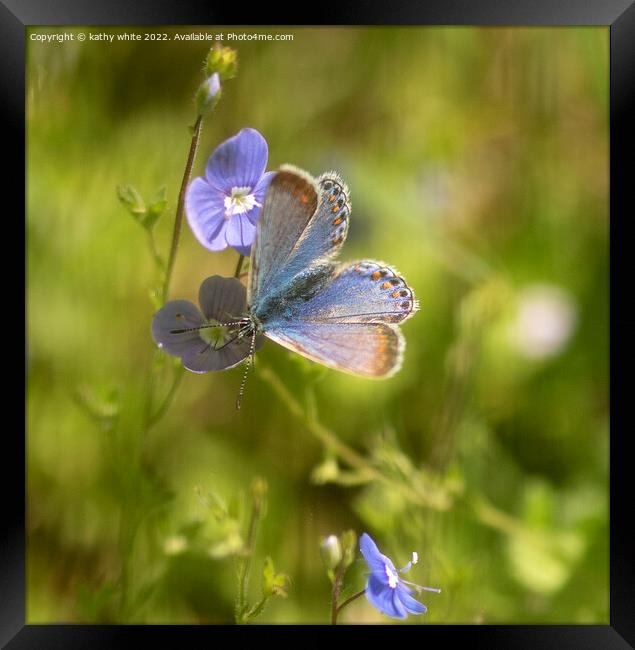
point(335, 613)
point(180, 208)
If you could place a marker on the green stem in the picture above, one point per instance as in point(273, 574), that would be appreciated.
point(335, 594)
point(180, 208)
point(244, 569)
point(346, 602)
point(239, 266)
point(257, 609)
point(334, 444)
point(154, 252)
point(167, 400)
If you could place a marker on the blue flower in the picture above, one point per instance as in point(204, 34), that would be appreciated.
point(183, 330)
point(222, 208)
point(385, 589)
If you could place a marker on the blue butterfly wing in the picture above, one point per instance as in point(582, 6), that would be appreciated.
point(350, 323)
point(366, 349)
point(304, 223)
point(360, 292)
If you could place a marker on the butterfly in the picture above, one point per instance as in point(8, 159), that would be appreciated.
point(342, 315)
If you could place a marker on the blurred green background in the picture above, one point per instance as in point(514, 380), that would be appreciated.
point(477, 161)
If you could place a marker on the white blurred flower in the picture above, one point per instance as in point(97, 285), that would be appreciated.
point(544, 322)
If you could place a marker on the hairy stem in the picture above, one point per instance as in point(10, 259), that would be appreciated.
point(180, 208)
point(335, 594)
point(258, 489)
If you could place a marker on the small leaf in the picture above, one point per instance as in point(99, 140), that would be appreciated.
point(273, 584)
point(131, 199)
point(155, 209)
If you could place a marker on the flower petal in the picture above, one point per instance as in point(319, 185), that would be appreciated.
point(382, 598)
point(222, 299)
point(376, 560)
point(411, 605)
point(240, 161)
point(240, 233)
point(400, 610)
point(174, 315)
point(205, 210)
point(203, 357)
point(260, 192)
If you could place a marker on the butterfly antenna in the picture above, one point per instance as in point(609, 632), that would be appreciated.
point(248, 364)
point(202, 327)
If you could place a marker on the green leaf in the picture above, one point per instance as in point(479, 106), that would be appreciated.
point(155, 209)
point(131, 200)
point(273, 584)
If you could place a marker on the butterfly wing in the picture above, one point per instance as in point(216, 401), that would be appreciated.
point(366, 349)
point(304, 223)
point(362, 292)
point(350, 323)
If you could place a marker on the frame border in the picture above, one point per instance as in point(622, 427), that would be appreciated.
point(619, 15)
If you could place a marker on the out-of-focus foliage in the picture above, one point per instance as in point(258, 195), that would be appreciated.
point(478, 165)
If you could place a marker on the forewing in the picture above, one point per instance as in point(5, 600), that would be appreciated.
point(304, 223)
point(290, 202)
point(367, 349)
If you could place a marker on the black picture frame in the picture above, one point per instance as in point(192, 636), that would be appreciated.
point(617, 15)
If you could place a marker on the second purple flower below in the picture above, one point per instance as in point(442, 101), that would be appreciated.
point(223, 207)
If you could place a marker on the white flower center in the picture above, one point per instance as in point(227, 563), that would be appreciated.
point(393, 578)
point(240, 200)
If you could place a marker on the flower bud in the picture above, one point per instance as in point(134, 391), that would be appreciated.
point(223, 60)
point(331, 551)
point(348, 539)
point(208, 94)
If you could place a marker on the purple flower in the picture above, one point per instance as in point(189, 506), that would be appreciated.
point(179, 326)
point(222, 208)
point(385, 589)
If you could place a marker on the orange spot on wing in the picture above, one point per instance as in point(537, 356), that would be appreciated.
point(337, 221)
point(395, 294)
point(376, 275)
point(386, 285)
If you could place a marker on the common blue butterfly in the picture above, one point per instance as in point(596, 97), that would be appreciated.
point(344, 316)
